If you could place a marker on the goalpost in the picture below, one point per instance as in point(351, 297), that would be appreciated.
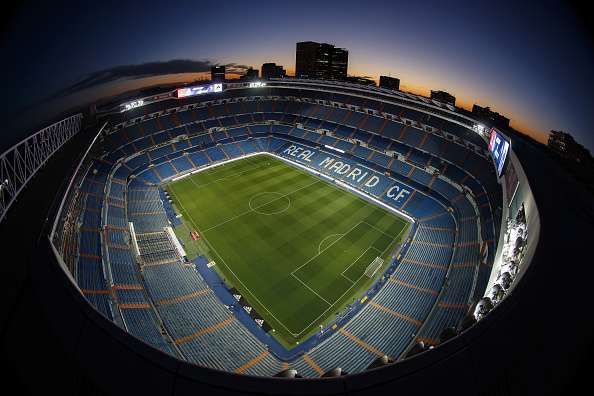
point(373, 267)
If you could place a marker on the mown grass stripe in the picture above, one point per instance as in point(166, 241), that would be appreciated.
point(256, 253)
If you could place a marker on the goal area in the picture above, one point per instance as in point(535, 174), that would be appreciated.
point(373, 267)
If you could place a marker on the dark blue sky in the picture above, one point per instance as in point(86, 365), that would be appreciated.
point(529, 61)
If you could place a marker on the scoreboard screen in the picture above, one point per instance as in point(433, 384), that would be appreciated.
point(199, 90)
point(131, 105)
point(498, 147)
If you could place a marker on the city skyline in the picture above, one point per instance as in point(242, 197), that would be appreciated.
point(510, 57)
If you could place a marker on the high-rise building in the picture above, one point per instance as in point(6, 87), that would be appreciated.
point(486, 115)
point(566, 147)
point(320, 61)
point(392, 83)
point(217, 73)
point(251, 74)
point(305, 59)
point(272, 70)
point(339, 62)
point(443, 97)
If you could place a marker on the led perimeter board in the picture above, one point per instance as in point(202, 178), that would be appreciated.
point(498, 147)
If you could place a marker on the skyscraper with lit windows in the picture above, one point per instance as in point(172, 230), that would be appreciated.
point(320, 61)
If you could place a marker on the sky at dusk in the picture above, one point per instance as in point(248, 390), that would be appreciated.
point(530, 61)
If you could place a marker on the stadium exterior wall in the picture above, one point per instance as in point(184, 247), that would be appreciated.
point(523, 195)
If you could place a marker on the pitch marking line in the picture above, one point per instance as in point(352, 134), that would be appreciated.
point(347, 278)
point(357, 259)
point(342, 273)
point(326, 248)
point(312, 290)
point(234, 274)
point(224, 177)
point(257, 207)
point(378, 229)
point(263, 306)
point(322, 241)
point(388, 235)
point(271, 213)
point(323, 313)
point(339, 298)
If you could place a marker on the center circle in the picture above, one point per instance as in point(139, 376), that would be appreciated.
point(269, 203)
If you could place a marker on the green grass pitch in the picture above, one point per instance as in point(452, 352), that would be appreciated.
point(295, 246)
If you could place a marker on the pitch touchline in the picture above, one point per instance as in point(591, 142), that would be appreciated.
point(397, 236)
point(338, 299)
point(312, 290)
point(258, 206)
point(377, 229)
point(235, 275)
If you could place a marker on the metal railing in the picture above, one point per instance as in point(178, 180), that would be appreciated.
point(21, 162)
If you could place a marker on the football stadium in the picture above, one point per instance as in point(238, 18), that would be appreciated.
point(319, 236)
point(264, 227)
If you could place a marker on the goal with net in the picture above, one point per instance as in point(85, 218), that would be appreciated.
point(373, 267)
